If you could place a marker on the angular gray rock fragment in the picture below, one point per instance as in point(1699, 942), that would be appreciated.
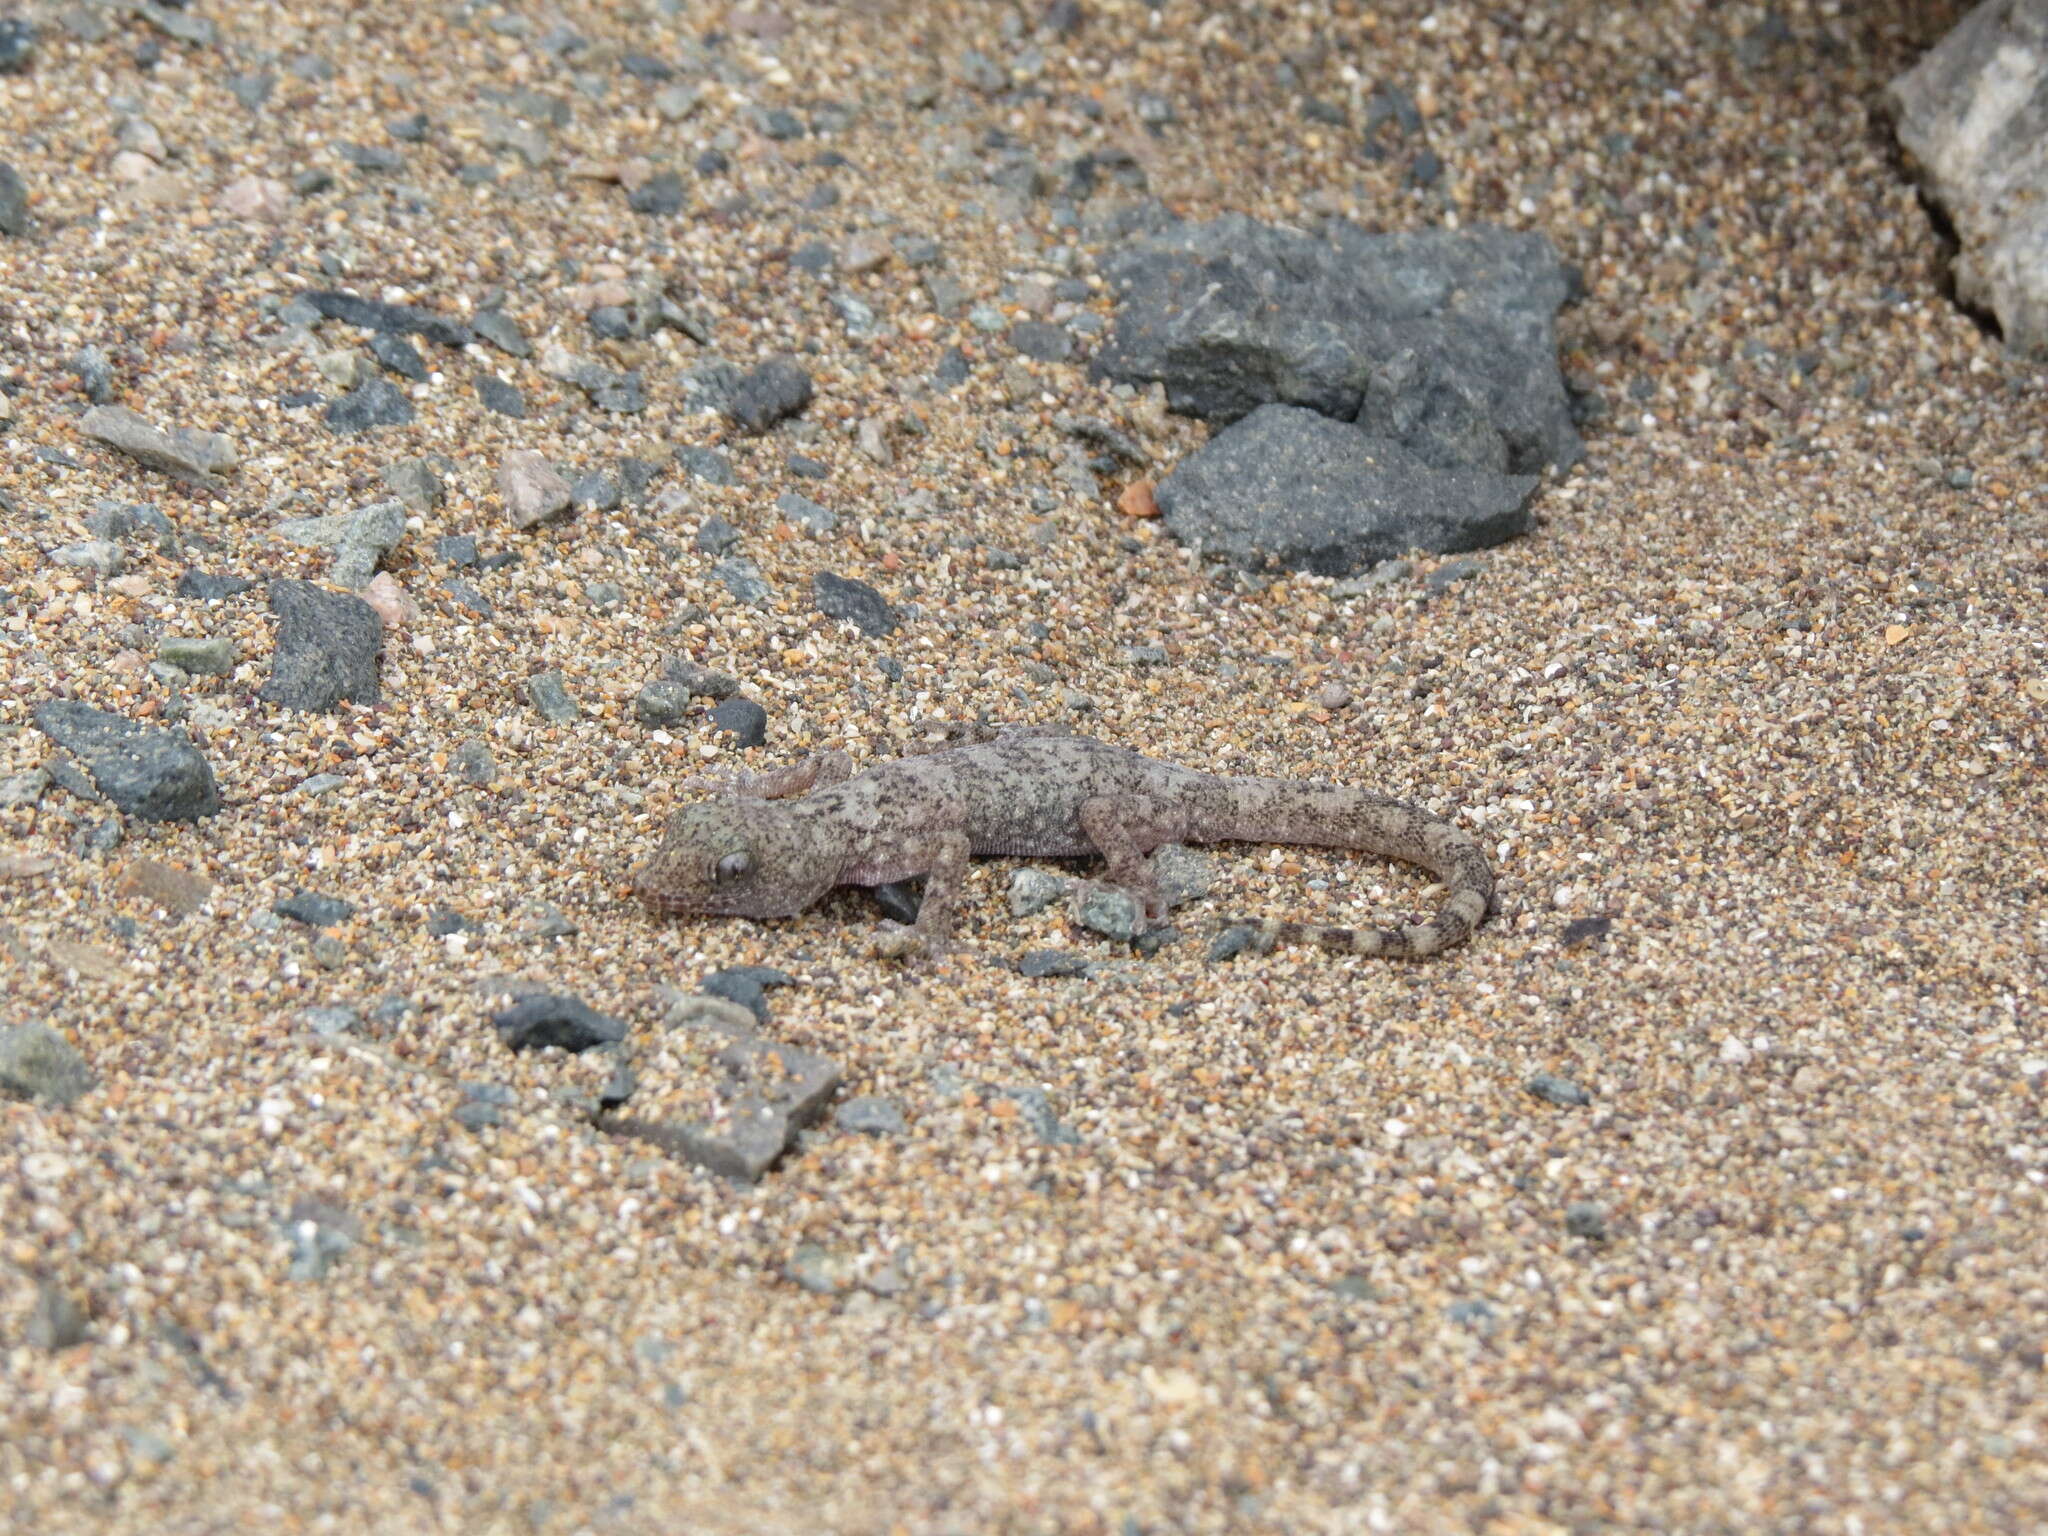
point(841, 597)
point(548, 693)
point(359, 539)
point(1288, 487)
point(14, 219)
point(714, 1093)
point(395, 319)
point(327, 645)
point(1973, 118)
point(763, 396)
point(1445, 339)
point(179, 451)
point(550, 1019)
point(374, 403)
point(38, 1064)
point(533, 490)
point(148, 771)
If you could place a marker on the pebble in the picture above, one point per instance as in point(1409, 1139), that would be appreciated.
point(548, 693)
point(1040, 963)
point(768, 395)
point(397, 355)
point(743, 720)
point(532, 489)
point(743, 579)
point(500, 397)
point(181, 450)
point(706, 464)
point(475, 762)
point(150, 772)
point(331, 1020)
point(871, 1116)
point(502, 332)
point(17, 44)
point(14, 215)
point(38, 1064)
point(375, 402)
point(854, 602)
point(716, 536)
point(1033, 890)
point(1557, 1090)
point(549, 1019)
point(57, 1322)
point(314, 909)
point(207, 657)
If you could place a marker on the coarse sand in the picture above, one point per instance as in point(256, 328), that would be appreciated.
point(1752, 724)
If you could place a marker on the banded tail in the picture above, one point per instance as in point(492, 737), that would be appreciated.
point(1335, 816)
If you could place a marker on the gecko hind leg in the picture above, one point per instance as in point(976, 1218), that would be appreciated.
point(1125, 829)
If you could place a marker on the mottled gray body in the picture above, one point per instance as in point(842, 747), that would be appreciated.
point(771, 848)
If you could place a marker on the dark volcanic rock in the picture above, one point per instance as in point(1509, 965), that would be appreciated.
point(327, 645)
point(776, 390)
point(1288, 487)
point(148, 771)
point(1443, 339)
point(550, 1019)
point(859, 604)
point(376, 402)
point(402, 319)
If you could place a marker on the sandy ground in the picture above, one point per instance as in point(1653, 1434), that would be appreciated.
point(1763, 691)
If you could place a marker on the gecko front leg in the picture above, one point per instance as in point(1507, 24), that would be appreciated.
point(943, 857)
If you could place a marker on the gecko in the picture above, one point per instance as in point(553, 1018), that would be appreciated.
point(770, 845)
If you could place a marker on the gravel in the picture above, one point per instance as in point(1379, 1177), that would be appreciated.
point(1749, 720)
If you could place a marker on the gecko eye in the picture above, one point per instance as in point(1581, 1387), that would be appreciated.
point(734, 866)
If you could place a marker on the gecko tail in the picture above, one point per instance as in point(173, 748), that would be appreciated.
point(1453, 924)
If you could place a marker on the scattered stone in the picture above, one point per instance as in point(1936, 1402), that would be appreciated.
point(256, 197)
point(809, 515)
point(856, 603)
point(1561, 1091)
point(735, 985)
point(17, 44)
point(376, 402)
point(716, 536)
point(320, 1233)
point(207, 587)
point(549, 694)
point(359, 539)
point(551, 1019)
point(534, 492)
point(1183, 874)
point(502, 332)
point(38, 1064)
point(1972, 116)
point(315, 910)
point(1042, 342)
point(1037, 963)
point(1033, 890)
point(396, 355)
point(474, 761)
point(331, 1020)
point(1285, 485)
point(871, 1116)
point(393, 604)
point(397, 319)
point(327, 647)
point(147, 771)
point(1112, 913)
point(95, 372)
point(715, 1094)
point(14, 218)
point(769, 394)
point(56, 1322)
point(500, 396)
point(1232, 942)
point(23, 788)
point(1035, 1110)
point(594, 492)
point(1583, 1218)
point(706, 464)
point(744, 720)
point(253, 89)
point(99, 556)
point(179, 451)
point(209, 657)
point(1583, 930)
point(658, 196)
point(661, 702)
point(701, 681)
point(743, 579)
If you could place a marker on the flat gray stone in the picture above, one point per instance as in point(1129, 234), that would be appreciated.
point(148, 771)
point(534, 492)
point(38, 1064)
point(327, 647)
point(178, 451)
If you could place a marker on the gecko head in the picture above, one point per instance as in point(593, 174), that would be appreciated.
point(736, 857)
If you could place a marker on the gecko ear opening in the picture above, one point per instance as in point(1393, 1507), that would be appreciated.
point(734, 866)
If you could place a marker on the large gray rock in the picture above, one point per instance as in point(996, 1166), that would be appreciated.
point(1973, 117)
point(1288, 487)
point(1443, 339)
point(147, 771)
point(327, 645)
